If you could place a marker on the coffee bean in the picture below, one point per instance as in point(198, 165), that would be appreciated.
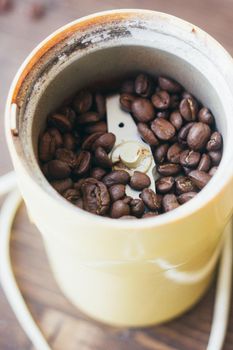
point(205, 116)
point(96, 198)
point(139, 181)
point(70, 142)
point(62, 185)
point(183, 133)
point(55, 133)
point(116, 177)
point(147, 134)
point(58, 170)
point(72, 195)
point(189, 158)
point(89, 140)
point(142, 110)
point(96, 127)
point(186, 94)
point(127, 199)
point(88, 118)
point(126, 101)
point(176, 120)
point(215, 142)
point(117, 192)
point(189, 109)
point(161, 100)
point(100, 104)
point(78, 184)
point(198, 136)
point(213, 170)
point(102, 158)
point(118, 209)
point(163, 129)
point(215, 157)
point(163, 114)
point(137, 207)
point(79, 203)
point(143, 85)
point(161, 153)
point(98, 173)
point(47, 147)
point(82, 163)
point(83, 101)
point(168, 169)
point(174, 101)
point(205, 163)
point(150, 214)
point(61, 121)
point(174, 152)
point(151, 199)
point(199, 178)
point(184, 184)
point(164, 184)
point(127, 87)
point(169, 202)
point(186, 170)
point(66, 156)
point(169, 85)
point(106, 141)
point(185, 197)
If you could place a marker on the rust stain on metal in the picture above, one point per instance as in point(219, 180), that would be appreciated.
point(61, 36)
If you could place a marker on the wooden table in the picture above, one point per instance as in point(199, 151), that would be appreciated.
point(65, 327)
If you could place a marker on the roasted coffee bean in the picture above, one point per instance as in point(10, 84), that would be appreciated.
point(96, 198)
point(161, 153)
point(184, 184)
point(83, 101)
point(127, 87)
point(169, 85)
point(150, 214)
point(174, 152)
point(185, 197)
point(163, 129)
point(62, 185)
point(215, 142)
point(119, 208)
point(205, 116)
point(126, 101)
point(78, 184)
point(58, 170)
point(198, 136)
point(168, 169)
point(100, 104)
point(55, 133)
point(82, 163)
point(205, 163)
point(47, 147)
point(189, 158)
point(106, 141)
point(164, 184)
point(137, 207)
point(116, 177)
point(176, 120)
point(117, 192)
point(161, 100)
point(72, 195)
point(147, 134)
point(89, 140)
point(63, 122)
point(199, 178)
point(96, 127)
point(215, 157)
point(127, 199)
point(142, 110)
point(189, 109)
point(152, 200)
point(183, 133)
point(79, 203)
point(174, 101)
point(187, 170)
point(169, 202)
point(88, 118)
point(66, 156)
point(213, 170)
point(186, 94)
point(70, 142)
point(98, 173)
point(102, 158)
point(163, 114)
point(139, 181)
point(143, 85)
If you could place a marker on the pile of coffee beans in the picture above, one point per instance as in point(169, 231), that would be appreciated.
point(75, 145)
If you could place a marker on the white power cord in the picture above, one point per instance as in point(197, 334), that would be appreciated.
point(15, 298)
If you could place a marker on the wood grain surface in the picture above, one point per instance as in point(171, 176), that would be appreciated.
point(65, 327)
